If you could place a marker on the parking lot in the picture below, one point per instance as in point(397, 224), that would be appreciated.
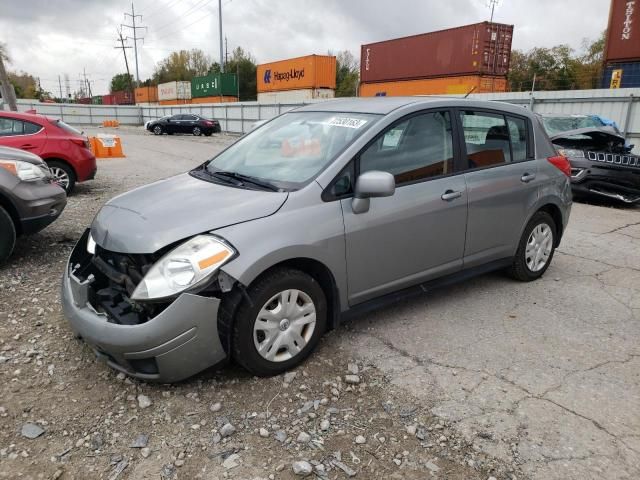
point(488, 378)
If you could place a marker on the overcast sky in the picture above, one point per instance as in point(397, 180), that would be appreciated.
point(50, 38)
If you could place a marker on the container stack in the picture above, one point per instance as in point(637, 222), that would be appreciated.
point(297, 79)
point(215, 88)
point(174, 93)
point(453, 61)
point(622, 48)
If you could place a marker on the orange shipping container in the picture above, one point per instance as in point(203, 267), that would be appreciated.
point(312, 71)
point(146, 94)
point(435, 86)
point(174, 102)
point(216, 99)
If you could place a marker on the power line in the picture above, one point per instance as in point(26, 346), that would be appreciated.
point(182, 16)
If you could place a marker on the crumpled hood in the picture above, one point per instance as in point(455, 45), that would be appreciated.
point(604, 134)
point(151, 217)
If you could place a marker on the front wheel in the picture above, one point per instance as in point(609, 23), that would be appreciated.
point(7, 235)
point(157, 130)
point(63, 175)
point(536, 248)
point(283, 324)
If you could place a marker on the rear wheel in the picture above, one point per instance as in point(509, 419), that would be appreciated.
point(157, 130)
point(196, 131)
point(63, 175)
point(282, 325)
point(7, 235)
point(536, 248)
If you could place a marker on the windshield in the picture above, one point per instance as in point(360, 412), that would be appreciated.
point(555, 125)
point(293, 148)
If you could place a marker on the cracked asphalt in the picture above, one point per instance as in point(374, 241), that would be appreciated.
point(545, 375)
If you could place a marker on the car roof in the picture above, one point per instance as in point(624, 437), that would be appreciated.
point(25, 116)
point(386, 105)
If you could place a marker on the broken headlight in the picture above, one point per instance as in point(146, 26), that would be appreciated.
point(186, 267)
point(571, 153)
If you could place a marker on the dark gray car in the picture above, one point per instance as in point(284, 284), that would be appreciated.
point(29, 200)
point(326, 210)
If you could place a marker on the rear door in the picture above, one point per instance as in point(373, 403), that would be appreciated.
point(22, 134)
point(418, 233)
point(189, 122)
point(174, 124)
point(501, 178)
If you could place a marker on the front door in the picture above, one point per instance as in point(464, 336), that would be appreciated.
point(419, 232)
point(501, 183)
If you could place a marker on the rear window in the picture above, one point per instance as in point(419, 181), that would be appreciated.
point(66, 127)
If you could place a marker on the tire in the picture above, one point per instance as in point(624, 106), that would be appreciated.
point(157, 130)
point(196, 131)
point(63, 174)
point(269, 288)
point(208, 134)
point(521, 268)
point(7, 235)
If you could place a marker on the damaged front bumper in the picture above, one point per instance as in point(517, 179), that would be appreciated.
point(607, 175)
point(177, 343)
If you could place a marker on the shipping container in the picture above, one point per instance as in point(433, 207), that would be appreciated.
point(628, 74)
point(623, 33)
point(123, 97)
point(478, 49)
point(146, 94)
point(174, 91)
point(214, 84)
point(84, 101)
point(96, 100)
point(215, 99)
point(435, 86)
point(296, 96)
point(109, 99)
point(312, 71)
point(175, 101)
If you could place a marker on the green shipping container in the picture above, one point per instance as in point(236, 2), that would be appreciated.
point(214, 84)
point(97, 100)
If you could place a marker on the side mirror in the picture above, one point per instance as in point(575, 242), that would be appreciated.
point(370, 185)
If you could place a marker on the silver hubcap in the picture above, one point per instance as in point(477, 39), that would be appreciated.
point(539, 247)
point(196, 131)
point(60, 177)
point(157, 130)
point(284, 325)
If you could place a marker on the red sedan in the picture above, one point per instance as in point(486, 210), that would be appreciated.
point(65, 149)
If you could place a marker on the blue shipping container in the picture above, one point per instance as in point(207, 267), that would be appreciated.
point(630, 74)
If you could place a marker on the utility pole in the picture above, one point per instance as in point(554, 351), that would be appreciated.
point(492, 4)
point(135, 37)
point(8, 94)
point(226, 51)
point(86, 82)
point(67, 85)
point(126, 62)
point(60, 87)
point(220, 29)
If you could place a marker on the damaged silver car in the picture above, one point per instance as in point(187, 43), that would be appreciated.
point(601, 161)
point(324, 211)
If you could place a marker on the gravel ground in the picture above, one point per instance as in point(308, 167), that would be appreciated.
point(89, 422)
point(496, 380)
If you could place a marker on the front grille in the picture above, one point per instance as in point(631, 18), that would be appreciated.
point(615, 159)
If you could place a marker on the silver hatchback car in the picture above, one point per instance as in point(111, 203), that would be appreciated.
point(327, 209)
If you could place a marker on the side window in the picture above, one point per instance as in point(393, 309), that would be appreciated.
point(192, 118)
point(30, 128)
point(415, 149)
point(9, 126)
point(486, 138)
point(518, 135)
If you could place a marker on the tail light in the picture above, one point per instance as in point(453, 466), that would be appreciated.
point(83, 142)
point(561, 163)
point(208, 123)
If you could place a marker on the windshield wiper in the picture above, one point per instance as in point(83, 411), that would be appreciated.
point(246, 179)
